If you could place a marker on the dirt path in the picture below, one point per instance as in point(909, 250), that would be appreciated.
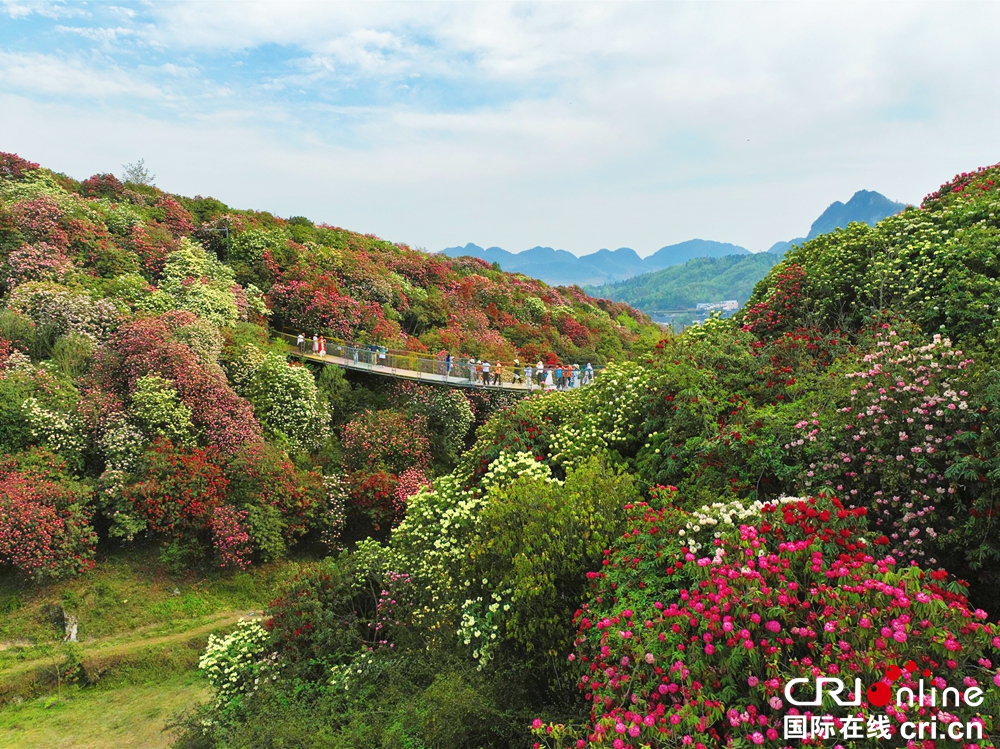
point(114, 647)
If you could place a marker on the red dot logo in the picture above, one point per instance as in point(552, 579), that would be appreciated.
point(879, 694)
point(892, 673)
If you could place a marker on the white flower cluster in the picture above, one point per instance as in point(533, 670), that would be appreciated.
point(335, 514)
point(432, 543)
point(357, 671)
point(513, 465)
point(711, 521)
point(60, 432)
point(480, 624)
point(601, 416)
point(235, 663)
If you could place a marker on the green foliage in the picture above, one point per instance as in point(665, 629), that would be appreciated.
point(158, 412)
point(535, 540)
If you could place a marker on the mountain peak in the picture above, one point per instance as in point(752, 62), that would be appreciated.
point(866, 206)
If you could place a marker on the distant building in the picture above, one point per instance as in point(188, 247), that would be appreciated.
point(730, 305)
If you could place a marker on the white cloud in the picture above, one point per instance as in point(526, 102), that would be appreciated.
point(576, 125)
point(69, 77)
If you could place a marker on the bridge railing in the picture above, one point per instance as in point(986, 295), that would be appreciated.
point(462, 370)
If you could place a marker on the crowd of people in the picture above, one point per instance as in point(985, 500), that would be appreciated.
point(478, 372)
point(554, 377)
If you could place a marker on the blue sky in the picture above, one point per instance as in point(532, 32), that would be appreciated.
point(572, 125)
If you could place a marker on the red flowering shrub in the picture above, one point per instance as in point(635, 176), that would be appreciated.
point(102, 186)
point(373, 495)
point(175, 217)
point(684, 648)
point(313, 624)
point(44, 520)
point(389, 440)
point(781, 305)
point(151, 245)
point(13, 166)
point(262, 478)
point(177, 490)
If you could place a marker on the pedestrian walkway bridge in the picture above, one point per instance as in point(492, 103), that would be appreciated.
point(410, 365)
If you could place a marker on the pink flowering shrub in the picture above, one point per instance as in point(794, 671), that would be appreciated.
point(13, 166)
point(678, 648)
point(232, 543)
point(45, 529)
point(147, 346)
point(390, 440)
point(40, 220)
point(893, 441)
point(102, 186)
point(35, 262)
point(411, 481)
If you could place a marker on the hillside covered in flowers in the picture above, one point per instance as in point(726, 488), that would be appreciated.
point(145, 398)
point(807, 490)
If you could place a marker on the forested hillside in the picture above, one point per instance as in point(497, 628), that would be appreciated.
point(685, 286)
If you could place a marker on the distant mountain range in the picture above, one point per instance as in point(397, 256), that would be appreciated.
point(562, 268)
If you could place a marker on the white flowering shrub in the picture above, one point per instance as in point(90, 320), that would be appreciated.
point(480, 627)
point(236, 663)
point(510, 466)
point(600, 417)
point(335, 513)
point(65, 310)
point(284, 398)
point(431, 543)
point(201, 284)
point(157, 412)
point(59, 431)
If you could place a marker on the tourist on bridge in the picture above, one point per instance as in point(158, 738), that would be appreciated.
point(588, 373)
point(576, 376)
point(322, 346)
point(354, 348)
point(447, 365)
point(479, 371)
point(301, 343)
point(540, 373)
point(315, 344)
point(496, 373)
point(528, 372)
point(549, 385)
point(486, 372)
point(559, 381)
point(518, 378)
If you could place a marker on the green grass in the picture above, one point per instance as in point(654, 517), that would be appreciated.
point(138, 625)
point(120, 716)
point(128, 591)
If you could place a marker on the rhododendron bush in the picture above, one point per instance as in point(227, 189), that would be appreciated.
point(677, 647)
point(45, 528)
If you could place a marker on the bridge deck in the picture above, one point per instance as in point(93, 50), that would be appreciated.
point(410, 374)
